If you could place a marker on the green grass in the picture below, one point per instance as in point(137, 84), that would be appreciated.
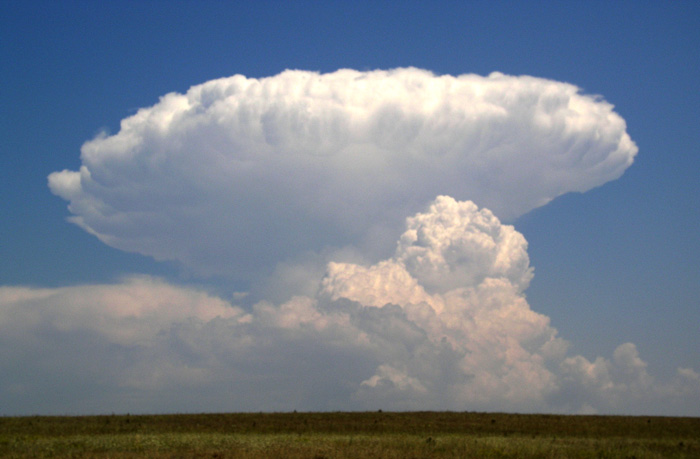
point(349, 435)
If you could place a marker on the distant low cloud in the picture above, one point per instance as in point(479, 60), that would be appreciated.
point(240, 174)
point(401, 333)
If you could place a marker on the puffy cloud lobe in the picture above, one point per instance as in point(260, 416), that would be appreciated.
point(618, 384)
point(455, 244)
point(240, 173)
point(504, 344)
point(374, 337)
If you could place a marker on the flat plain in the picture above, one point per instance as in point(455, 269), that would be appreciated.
point(349, 435)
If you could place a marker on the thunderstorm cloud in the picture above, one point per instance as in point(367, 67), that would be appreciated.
point(365, 211)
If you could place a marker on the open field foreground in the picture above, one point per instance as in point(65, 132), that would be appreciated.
point(349, 435)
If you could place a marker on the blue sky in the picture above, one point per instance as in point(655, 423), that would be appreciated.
point(617, 264)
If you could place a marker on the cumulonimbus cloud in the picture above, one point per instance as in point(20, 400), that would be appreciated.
point(241, 173)
point(390, 335)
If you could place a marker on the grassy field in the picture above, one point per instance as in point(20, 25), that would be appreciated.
point(349, 435)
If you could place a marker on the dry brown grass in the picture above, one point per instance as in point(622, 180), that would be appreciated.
point(345, 435)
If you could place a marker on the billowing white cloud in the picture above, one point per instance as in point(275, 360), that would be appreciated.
point(300, 184)
point(239, 173)
point(388, 335)
point(459, 274)
point(455, 244)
